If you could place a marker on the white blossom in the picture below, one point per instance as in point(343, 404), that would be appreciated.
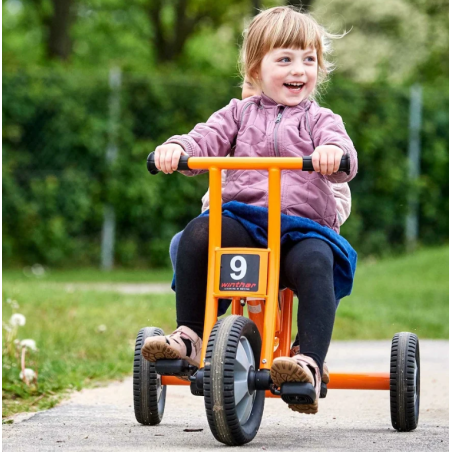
point(38, 270)
point(28, 343)
point(30, 374)
point(101, 328)
point(17, 320)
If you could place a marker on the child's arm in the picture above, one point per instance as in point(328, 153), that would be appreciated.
point(331, 142)
point(215, 138)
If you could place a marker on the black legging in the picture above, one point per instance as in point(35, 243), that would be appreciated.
point(306, 268)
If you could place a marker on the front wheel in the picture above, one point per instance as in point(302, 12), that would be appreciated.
point(405, 381)
point(234, 408)
point(148, 393)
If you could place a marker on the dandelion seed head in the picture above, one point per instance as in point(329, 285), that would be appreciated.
point(17, 320)
point(30, 374)
point(101, 328)
point(38, 270)
point(28, 343)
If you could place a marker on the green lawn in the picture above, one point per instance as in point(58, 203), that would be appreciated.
point(409, 293)
point(86, 337)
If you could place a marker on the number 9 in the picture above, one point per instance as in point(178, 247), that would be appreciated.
point(241, 268)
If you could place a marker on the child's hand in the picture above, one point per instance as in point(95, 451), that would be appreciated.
point(326, 159)
point(167, 157)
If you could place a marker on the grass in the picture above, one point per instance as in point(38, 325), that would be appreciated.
point(86, 338)
point(409, 293)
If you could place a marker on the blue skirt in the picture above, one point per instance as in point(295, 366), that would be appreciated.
point(294, 229)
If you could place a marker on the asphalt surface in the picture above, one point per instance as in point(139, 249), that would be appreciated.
point(102, 419)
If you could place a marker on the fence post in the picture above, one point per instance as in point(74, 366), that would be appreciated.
point(414, 156)
point(108, 228)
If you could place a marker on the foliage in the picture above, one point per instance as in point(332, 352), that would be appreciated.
point(57, 181)
point(376, 117)
point(398, 41)
point(56, 126)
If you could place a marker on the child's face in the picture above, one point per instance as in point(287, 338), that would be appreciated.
point(249, 89)
point(280, 67)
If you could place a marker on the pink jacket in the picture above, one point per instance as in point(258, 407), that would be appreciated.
point(341, 193)
point(257, 126)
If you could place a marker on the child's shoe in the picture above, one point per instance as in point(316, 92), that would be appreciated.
point(295, 350)
point(299, 368)
point(173, 346)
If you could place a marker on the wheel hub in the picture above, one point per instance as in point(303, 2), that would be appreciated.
point(243, 394)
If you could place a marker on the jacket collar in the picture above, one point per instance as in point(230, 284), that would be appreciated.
point(268, 102)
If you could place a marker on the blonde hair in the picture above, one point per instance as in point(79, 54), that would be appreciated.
point(284, 27)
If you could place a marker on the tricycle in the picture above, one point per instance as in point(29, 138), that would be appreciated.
point(234, 376)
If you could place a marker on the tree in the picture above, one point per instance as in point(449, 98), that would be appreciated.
point(174, 22)
point(388, 40)
point(56, 19)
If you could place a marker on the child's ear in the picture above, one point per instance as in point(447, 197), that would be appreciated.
point(256, 74)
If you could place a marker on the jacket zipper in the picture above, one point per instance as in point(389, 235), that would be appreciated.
point(275, 131)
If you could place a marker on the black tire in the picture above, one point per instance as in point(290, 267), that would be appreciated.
point(148, 393)
point(405, 382)
point(232, 424)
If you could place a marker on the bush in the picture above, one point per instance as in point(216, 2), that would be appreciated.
point(56, 179)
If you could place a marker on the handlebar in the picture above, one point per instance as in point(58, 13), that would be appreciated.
point(187, 163)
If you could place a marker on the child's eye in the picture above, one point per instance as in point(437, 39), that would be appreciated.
point(310, 59)
point(285, 60)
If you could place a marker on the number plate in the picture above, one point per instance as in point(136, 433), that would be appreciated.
point(239, 272)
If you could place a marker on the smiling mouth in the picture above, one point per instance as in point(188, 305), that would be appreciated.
point(294, 87)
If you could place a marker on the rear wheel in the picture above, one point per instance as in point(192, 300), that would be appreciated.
point(405, 381)
point(148, 393)
point(234, 408)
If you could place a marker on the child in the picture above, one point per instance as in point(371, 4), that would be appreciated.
point(284, 54)
point(342, 197)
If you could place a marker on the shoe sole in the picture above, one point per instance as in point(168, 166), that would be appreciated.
point(153, 351)
point(287, 371)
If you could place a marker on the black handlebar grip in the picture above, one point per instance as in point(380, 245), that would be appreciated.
point(183, 164)
point(344, 166)
point(151, 164)
point(307, 164)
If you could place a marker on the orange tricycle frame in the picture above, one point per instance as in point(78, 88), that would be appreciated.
point(271, 311)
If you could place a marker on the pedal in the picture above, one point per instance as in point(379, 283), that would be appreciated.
point(174, 367)
point(196, 383)
point(323, 390)
point(297, 393)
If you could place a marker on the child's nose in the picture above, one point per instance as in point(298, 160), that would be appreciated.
point(298, 70)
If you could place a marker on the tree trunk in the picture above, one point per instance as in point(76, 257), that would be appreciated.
point(170, 46)
point(58, 41)
point(305, 4)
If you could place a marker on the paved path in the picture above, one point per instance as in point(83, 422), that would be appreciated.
point(102, 419)
point(124, 288)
